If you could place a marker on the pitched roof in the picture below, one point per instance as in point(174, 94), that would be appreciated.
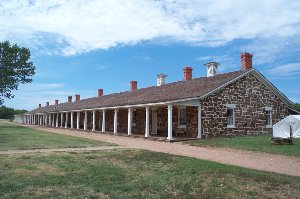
point(155, 94)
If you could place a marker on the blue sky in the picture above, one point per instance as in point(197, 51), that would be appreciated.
point(79, 47)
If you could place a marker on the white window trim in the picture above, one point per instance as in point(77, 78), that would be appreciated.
point(231, 106)
point(180, 108)
point(271, 116)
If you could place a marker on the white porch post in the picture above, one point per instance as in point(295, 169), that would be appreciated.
point(100, 120)
point(199, 122)
point(94, 120)
point(103, 121)
point(170, 122)
point(78, 119)
point(147, 122)
point(85, 121)
point(61, 119)
point(53, 119)
point(72, 118)
point(116, 121)
point(57, 115)
point(129, 120)
point(67, 118)
point(50, 119)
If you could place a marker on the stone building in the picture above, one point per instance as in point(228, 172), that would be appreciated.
point(242, 102)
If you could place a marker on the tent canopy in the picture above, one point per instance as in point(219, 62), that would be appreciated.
point(283, 127)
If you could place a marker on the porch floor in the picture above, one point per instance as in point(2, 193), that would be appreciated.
point(151, 137)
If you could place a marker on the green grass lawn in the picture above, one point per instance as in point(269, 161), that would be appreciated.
point(15, 137)
point(128, 173)
point(261, 143)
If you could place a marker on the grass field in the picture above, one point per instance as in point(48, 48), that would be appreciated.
point(14, 137)
point(260, 143)
point(135, 174)
point(124, 173)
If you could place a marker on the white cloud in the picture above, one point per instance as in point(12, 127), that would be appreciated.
point(77, 27)
point(292, 69)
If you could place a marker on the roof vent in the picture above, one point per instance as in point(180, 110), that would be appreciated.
point(212, 68)
point(161, 79)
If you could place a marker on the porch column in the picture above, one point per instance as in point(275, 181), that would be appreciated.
point(199, 122)
point(170, 122)
point(57, 115)
point(61, 119)
point(129, 120)
point(147, 122)
point(53, 119)
point(103, 121)
point(46, 120)
point(116, 121)
point(72, 118)
point(78, 119)
point(94, 120)
point(50, 120)
point(85, 121)
point(67, 117)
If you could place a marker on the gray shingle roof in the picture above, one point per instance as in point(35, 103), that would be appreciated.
point(173, 91)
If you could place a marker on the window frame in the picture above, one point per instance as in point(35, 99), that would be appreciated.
point(134, 118)
point(230, 107)
point(179, 117)
point(269, 117)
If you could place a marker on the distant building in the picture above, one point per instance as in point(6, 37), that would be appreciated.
point(242, 102)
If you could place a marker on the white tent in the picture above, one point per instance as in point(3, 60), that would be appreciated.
point(283, 127)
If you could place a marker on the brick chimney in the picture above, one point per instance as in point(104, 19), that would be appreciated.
point(187, 73)
point(56, 102)
point(77, 97)
point(40, 106)
point(133, 85)
point(100, 92)
point(70, 99)
point(47, 103)
point(246, 59)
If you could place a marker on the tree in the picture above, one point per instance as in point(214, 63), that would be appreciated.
point(15, 68)
point(8, 113)
point(296, 106)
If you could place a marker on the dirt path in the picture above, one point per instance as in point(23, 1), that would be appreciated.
point(10, 152)
point(260, 161)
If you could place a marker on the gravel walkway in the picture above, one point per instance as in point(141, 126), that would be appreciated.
point(10, 152)
point(260, 161)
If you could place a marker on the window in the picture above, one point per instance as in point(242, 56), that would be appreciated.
point(134, 118)
point(182, 117)
point(230, 117)
point(269, 118)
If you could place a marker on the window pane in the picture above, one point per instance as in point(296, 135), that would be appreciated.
point(230, 117)
point(182, 117)
point(268, 117)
